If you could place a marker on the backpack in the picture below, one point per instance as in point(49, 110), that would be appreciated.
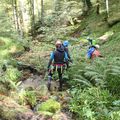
point(90, 51)
point(59, 56)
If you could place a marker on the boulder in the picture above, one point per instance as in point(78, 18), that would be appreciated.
point(105, 37)
point(113, 19)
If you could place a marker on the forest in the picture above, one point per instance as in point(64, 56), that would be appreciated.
point(79, 39)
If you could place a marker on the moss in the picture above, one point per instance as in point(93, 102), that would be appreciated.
point(46, 113)
point(6, 113)
point(12, 73)
point(31, 97)
point(50, 106)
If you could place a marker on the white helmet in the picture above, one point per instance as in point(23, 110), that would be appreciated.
point(97, 46)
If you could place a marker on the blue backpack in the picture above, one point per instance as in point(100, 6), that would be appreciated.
point(90, 51)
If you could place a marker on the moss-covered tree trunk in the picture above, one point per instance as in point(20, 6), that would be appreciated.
point(15, 14)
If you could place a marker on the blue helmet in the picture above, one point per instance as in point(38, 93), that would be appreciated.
point(66, 43)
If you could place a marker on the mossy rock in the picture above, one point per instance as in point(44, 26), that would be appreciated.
point(50, 106)
point(43, 90)
point(10, 110)
point(112, 20)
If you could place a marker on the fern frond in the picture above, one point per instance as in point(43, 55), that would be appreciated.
point(87, 83)
point(80, 77)
point(90, 73)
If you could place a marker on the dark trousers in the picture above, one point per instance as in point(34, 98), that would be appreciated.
point(60, 70)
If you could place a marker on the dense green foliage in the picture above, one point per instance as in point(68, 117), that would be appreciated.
point(93, 86)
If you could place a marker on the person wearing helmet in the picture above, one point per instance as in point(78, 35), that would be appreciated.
point(58, 59)
point(58, 44)
point(65, 45)
point(94, 52)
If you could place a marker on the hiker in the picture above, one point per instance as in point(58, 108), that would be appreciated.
point(65, 45)
point(92, 42)
point(96, 52)
point(93, 52)
point(60, 58)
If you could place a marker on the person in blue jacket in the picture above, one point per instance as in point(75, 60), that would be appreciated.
point(65, 45)
point(58, 59)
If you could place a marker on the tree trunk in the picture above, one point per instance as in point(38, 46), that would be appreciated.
point(21, 3)
point(98, 7)
point(38, 8)
point(88, 3)
point(32, 17)
point(14, 17)
point(42, 12)
point(57, 5)
point(107, 8)
point(86, 6)
point(15, 14)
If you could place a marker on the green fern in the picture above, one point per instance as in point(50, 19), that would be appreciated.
point(86, 83)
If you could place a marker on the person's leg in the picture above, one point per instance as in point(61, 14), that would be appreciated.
point(49, 80)
point(67, 65)
point(60, 78)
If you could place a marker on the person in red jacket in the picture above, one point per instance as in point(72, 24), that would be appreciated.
point(96, 52)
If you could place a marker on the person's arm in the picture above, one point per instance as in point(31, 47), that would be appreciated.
point(67, 51)
point(66, 59)
point(101, 55)
point(69, 57)
point(90, 41)
point(66, 56)
point(51, 59)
